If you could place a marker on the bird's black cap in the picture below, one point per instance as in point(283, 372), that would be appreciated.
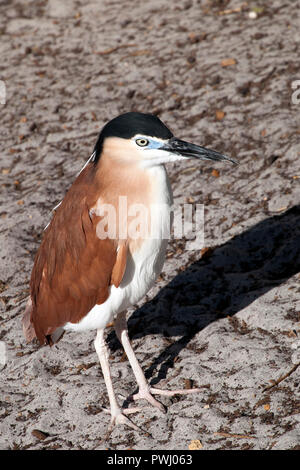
point(129, 124)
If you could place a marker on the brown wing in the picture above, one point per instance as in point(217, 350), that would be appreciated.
point(73, 268)
point(120, 264)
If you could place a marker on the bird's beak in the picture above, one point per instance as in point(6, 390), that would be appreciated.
point(185, 149)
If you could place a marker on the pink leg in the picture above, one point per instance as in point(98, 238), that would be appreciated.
point(145, 391)
point(117, 415)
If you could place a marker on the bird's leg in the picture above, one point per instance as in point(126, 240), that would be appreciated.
point(145, 391)
point(117, 415)
point(144, 388)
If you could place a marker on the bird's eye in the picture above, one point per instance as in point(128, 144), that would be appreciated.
point(142, 142)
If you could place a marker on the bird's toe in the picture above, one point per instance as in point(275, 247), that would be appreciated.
point(146, 395)
point(119, 417)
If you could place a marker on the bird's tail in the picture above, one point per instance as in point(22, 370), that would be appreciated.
point(29, 331)
point(28, 328)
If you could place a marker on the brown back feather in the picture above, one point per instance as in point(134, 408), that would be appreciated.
point(73, 267)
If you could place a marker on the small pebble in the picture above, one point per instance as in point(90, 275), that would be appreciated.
point(252, 15)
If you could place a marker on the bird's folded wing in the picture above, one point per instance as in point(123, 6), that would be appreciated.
point(73, 268)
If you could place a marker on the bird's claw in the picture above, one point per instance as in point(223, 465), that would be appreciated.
point(119, 417)
point(124, 411)
point(147, 394)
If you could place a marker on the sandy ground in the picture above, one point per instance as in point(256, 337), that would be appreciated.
point(224, 319)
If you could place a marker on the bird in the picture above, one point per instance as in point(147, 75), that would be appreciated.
point(90, 268)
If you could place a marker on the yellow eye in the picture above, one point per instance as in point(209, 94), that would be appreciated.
point(142, 142)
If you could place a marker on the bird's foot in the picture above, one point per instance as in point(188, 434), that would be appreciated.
point(121, 418)
point(124, 411)
point(148, 392)
point(118, 416)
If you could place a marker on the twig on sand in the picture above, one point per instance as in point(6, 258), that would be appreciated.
point(283, 377)
point(234, 10)
point(237, 436)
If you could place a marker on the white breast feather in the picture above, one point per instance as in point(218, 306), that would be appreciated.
point(142, 267)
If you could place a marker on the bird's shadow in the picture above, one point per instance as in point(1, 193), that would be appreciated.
point(220, 284)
